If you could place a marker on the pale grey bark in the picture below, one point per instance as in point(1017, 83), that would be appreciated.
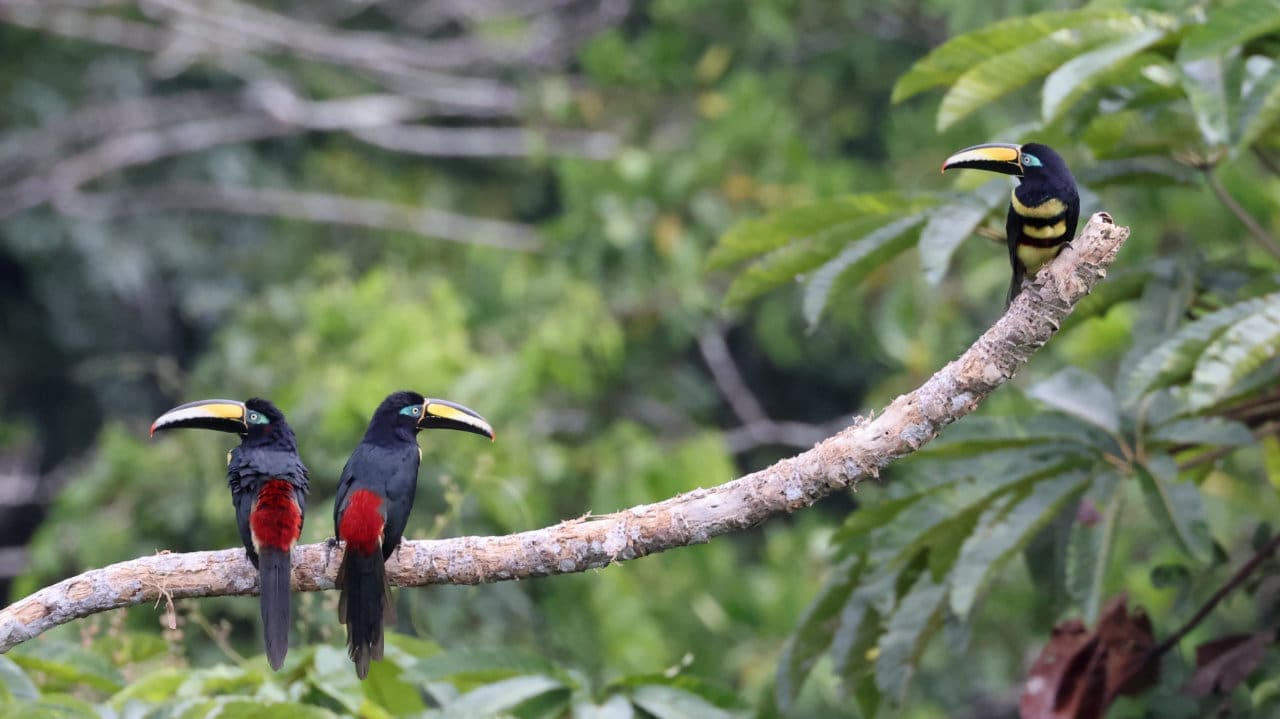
point(838, 462)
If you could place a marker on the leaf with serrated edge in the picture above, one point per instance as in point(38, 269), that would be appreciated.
point(1001, 533)
point(947, 61)
point(859, 257)
point(952, 223)
point(1175, 358)
point(1204, 431)
point(913, 622)
point(1244, 347)
point(1177, 505)
point(813, 633)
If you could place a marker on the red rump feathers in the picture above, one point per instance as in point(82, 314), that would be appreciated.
point(362, 522)
point(276, 520)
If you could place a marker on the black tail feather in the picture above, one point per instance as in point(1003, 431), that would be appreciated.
point(364, 606)
point(273, 570)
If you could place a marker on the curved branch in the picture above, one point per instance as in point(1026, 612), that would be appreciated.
point(590, 542)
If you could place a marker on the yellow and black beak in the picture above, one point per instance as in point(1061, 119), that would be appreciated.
point(993, 157)
point(223, 415)
point(443, 414)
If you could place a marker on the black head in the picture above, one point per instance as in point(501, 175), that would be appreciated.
point(257, 421)
point(403, 414)
point(1033, 162)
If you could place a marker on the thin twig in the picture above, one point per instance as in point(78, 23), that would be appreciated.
point(1269, 243)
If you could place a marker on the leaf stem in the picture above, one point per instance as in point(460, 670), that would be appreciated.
point(1269, 243)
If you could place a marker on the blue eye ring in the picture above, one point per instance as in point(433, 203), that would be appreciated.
point(1029, 160)
point(412, 410)
point(257, 418)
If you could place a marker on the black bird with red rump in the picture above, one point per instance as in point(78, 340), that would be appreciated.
point(375, 496)
point(269, 490)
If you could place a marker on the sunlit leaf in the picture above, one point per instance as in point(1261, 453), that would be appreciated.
point(668, 702)
point(855, 262)
point(1205, 85)
point(1261, 107)
point(16, 681)
point(1080, 74)
point(755, 237)
point(1081, 395)
point(1003, 531)
point(1229, 25)
point(1177, 505)
point(953, 223)
point(999, 75)
point(1175, 358)
point(950, 59)
point(499, 697)
point(69, 664)
point(1243, 348)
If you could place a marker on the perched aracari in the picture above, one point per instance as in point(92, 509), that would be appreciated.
point(1043, 209)
point(269, 490)
point(375, 495)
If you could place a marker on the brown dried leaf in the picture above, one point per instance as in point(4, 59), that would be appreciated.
point(1223, 663)
point(1079, 673)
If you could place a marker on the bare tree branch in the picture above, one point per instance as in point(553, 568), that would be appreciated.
point(309, 206)
point(715, 352)
point(1264, 238)
point(489, 141)
point(838, 463)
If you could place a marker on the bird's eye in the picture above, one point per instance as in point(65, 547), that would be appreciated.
point(1030, 160)
point(258, 418)
point(417, 411)
point(412, 410)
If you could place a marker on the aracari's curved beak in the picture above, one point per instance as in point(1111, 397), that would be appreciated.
point(993, 157)
point(223, 415)
point(443, 414)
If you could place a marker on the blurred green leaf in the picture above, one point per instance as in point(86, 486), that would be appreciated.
point(1174, 359)
point(484, 664)
point(950, 60)
point(1229, 25)
point(855, 262)
point(953, 223)
point(1260, 107)
point(69, 664)
point(815, 630)
point(916, 618)
point(615, 707)
point(1204, 82)
point(1232, 355)
point(499, 697)
point(1091, 545)
point(1203, 430)
point(13, 679)
point(1004, 530)
point(1082, 73)
point(1080, 394)
point(668, 702)
point(1177, 505)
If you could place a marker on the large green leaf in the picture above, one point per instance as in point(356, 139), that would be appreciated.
point(815, 630)
point(755, 237)
point(1003, 531)
point(499, 697)
point(1175, 358)
point(1081, 395)
point(1261, 106)
point(857, 261)
point(949, 60)
point(1177, 505)
point(15, 681)
point(982, 435)
point(484, 664)
point(1205, 83)
point(952, 223)
point(913, 622)
point(69, 664)
point(669, 702)
point(1090, 545)
point(1243, 348)
point(1229, 25)
point(999, 75)
point(1203, 431)
point(1082, 73)
point(615, 707)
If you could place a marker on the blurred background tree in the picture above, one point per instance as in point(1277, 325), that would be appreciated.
point(586, 218)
